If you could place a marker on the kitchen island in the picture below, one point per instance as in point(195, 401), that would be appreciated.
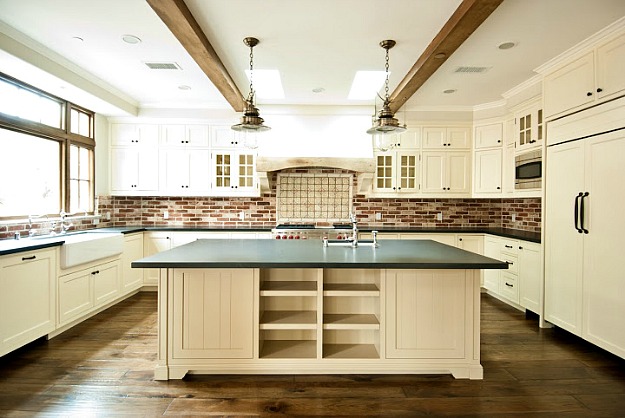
point(267, 307)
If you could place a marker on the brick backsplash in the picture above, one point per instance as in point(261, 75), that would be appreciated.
point(261, 212)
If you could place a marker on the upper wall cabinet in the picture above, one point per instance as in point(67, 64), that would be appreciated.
point(223, 136)
point(488, 136)
point(529, 126)
point(409, 139)
point(596, 76)
point(130, 134)
point(446, 138)
point(184, 135)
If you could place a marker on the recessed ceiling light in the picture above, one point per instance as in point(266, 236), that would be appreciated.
point(267, 84)
point(184, 87)
point(449, 91)
point(318, 90)
point(507, 45)
point(366, 85)
point(131, 39)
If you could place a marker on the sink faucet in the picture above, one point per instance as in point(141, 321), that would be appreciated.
point(31, 231)
point(65, 226)
point(354, 240)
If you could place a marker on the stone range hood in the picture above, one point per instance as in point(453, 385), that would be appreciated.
point(313, 138)
point(364, 167)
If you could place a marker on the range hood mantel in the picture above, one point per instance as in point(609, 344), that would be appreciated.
point(364, 167)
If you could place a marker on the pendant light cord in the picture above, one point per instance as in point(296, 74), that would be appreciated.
point(251, 95)
point(386, 82)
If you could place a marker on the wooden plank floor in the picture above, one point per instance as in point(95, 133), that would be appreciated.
point(103, 367)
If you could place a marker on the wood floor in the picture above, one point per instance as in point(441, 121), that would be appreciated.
point(103, 367)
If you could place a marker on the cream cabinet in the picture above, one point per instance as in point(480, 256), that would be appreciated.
point(213, 316)
point(425, 311)
point(27, 297)
point(584, 229)
point(446, 172)
point(596, 76)
point(185, 172)
point(132, 279)
point(134, 170)
point(529, 126)
point(491, 277)
point(530, 270)
point(153, 243)
point(508, 170)
point(489, 136)
point(409, 139)
point(222, 136)
point(86, 288)
point(233, 173)
point(397, 172)
point(446, 137)
point(186, 136)
point(487, 179)
point(134, 159)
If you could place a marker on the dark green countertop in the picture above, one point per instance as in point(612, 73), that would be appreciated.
point(391, 254)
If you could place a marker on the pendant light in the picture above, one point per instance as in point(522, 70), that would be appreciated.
point(251, 122)
point(386, 123)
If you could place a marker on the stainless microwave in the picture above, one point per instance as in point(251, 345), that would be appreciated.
point(528, 168)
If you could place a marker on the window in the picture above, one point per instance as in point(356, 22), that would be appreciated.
point(31, 175)
point(47, 145)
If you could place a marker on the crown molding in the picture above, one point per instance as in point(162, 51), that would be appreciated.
point(530, 82)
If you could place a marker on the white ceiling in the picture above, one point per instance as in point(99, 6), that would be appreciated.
point(315, 43)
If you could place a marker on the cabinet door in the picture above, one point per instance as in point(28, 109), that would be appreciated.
point(434, 137)
point(459, 138)
point(508, 169)
point(563, 244)
point(154, 243)
point(134, 169)
point(458, 172)
point(27, 297)
point(173, 135)
point(604, 281)
point(213, 313)
point(245, 173)
point(425, 313)
point(530, 276)
point(224, 137)
point(488, 136)
point(131, 134)
point(384, 172)
point(611, 68)
point(408, 171)
point(106, 284)
point(175, 171)
point(197, 136)
point(132, 279)
point(473, 243)
point(488, 171)
point(569, 87)
point(75, 295)
point(411, 138)
point(434, 172)
point(491, 277)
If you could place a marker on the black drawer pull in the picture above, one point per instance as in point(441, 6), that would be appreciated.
point(32, 257)
point(509, 285)
point(508, 246)
point(510, 263)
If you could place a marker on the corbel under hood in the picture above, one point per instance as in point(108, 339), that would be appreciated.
point(364, 167)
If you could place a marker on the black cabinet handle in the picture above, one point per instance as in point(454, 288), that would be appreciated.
point(394, 188)
point(508, 246)
point(581, 214)
point(32, 257)
point(499, 141)
point(510, 263)
point(509, 285)
point(599, 90)
point(589, 94)
point(520, 248)
point(498, 188)
point(459, 239)
point(576, 212)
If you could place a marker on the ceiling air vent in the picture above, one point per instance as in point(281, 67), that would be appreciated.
point(163, 66)
point(471, 70)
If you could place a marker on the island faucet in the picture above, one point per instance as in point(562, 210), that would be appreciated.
point(354, 240)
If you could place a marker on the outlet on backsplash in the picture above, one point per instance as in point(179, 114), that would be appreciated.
point(439, 216)
point(514, 217)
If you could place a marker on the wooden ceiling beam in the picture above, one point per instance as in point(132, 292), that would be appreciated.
point(465, 20)
point(177, 17)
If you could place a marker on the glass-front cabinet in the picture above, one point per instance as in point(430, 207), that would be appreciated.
point(234, 173)
point(397, 172)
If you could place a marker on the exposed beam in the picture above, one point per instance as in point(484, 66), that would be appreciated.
point(467, 17)
point(176, 15)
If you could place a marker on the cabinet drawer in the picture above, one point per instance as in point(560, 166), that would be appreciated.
point(513, 263)
point(508, 287)
point(509, 246)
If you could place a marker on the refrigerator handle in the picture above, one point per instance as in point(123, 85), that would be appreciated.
point(581, 213)
point(576, 212)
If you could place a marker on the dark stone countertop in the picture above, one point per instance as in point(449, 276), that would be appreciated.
point(391, 254)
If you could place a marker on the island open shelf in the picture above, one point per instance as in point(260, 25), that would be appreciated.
point(257, 306)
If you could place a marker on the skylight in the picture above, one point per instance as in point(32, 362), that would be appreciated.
point(267, 84)
point(366, 84)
